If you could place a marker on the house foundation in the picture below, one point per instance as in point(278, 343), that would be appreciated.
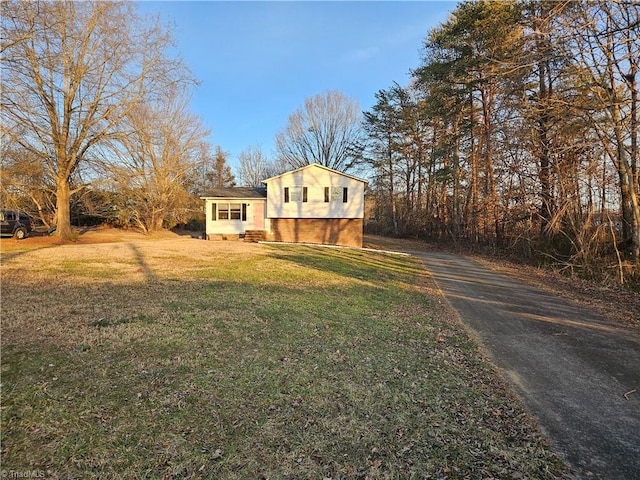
point(328, 231)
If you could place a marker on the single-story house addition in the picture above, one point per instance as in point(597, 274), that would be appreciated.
point(312, 204)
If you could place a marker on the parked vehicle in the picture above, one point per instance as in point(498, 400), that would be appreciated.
point(15, 223)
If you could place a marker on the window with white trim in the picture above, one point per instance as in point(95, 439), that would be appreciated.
point(229, 211)
point(295, 194)
point(336, 194)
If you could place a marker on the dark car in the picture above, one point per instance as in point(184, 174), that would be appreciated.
point(15, 223)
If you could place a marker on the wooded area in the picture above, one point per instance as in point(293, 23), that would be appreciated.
point(519, 132)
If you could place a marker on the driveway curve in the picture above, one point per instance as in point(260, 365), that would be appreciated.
point(576, 371)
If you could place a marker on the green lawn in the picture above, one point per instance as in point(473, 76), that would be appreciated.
point(277, 362)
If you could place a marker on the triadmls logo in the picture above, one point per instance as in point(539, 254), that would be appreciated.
point(23, 474)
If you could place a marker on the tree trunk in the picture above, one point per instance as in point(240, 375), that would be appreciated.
point(472, 202)
point(157, 222)
point(490, 190)
point(392, 192)
point(635, 176)
point(63, 209)
point(628, 191)
point(544, 155)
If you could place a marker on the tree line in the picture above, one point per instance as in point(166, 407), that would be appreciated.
point(518, 131)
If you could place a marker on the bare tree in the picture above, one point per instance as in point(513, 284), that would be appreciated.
point(158, 159)
point(256, 167)
point(605, 38)
point(72, 73)
point(327, 130)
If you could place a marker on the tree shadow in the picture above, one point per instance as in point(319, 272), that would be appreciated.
point(351, 262)
point(148, 272)
point(197, 234)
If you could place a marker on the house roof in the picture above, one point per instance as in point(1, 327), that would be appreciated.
point(315, 165)
point(236, 192)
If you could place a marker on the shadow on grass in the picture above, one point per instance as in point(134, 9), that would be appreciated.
point(233, 378)
point(8, 256)
point(142, 263)
point(352, 263)
point(17, 248)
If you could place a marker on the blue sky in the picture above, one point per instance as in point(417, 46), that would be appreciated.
point(258, 61)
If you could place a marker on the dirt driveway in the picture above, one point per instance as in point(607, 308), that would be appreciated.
point(577, 372)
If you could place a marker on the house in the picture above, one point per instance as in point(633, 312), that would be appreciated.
point(312, 204)
point(231, 212)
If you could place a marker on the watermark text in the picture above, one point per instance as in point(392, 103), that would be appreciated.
point(22, 474)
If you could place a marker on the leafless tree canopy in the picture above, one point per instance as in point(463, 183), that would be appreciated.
point(256, 167)
point(72, 74)
point(158, 159)
point(327, 130)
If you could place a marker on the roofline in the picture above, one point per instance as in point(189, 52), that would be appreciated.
point(233, 198)
point(317, 165)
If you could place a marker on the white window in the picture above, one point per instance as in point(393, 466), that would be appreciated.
point(229, 211)
point(336, 194)
point(295, 194)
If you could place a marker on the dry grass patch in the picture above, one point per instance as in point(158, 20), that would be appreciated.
point(189, 359)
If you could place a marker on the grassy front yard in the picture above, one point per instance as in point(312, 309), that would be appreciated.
point(191, 359)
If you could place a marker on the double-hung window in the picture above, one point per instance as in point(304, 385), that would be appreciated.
point(295, 194)
point(336, 194)
point(229, 211)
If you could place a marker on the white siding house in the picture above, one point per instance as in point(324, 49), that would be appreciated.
point(313, 204)
point(230, 212)
point(315, 191)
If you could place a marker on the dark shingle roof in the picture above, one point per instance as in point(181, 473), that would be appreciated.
point(236, 192)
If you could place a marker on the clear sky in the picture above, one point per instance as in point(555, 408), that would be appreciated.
point(258, 61)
